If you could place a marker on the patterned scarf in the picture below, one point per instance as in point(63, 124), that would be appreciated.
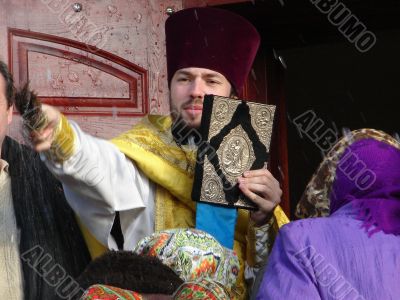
point(315, 201)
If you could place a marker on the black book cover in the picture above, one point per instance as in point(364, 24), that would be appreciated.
point(236, 136)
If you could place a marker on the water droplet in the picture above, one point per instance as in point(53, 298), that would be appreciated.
point(281, 172)
point(98, 82)
point(363, 117)
point(346, 131)
point(139, 18)
point(283, 63)
point(126, 36)
point(112, 9)
point(253, 74)
point(396, 136)
point(73, 77)
point(57, 82)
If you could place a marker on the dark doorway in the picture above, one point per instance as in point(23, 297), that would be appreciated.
point(327, 74)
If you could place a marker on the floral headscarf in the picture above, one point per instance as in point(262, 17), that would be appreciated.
point(193, 255)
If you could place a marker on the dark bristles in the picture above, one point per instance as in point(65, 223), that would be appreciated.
point(127, 270)
point(29, 106)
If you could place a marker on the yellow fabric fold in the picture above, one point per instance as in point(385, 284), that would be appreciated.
point(151, 146)
point(280, 217)
point(94, 246)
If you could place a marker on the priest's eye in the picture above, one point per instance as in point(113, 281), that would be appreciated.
point(183, 79)
point(213, 82)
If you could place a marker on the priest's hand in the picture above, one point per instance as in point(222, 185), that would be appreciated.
point(263, 189)
point(43, 138)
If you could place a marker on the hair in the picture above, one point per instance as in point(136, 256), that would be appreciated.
point(127, 270)
point(9, 89)
point(233, 92)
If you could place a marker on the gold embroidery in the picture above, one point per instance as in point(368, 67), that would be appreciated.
point(62, 147)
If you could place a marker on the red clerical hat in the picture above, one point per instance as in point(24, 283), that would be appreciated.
point(214, 39)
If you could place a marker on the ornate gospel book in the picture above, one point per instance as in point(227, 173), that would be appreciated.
point(236, 136)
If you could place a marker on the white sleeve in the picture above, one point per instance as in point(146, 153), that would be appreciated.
point(99, 180)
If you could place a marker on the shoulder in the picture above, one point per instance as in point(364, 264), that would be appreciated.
point(15, 153)
point(303, 225)
point(307, 230)
point(9, 145)
point(24, 161)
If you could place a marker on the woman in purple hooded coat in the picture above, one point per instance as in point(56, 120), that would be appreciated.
point(355, 252)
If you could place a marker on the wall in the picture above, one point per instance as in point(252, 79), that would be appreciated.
point(133, 30)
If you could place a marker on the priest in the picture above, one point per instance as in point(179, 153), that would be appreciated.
point(141, 181)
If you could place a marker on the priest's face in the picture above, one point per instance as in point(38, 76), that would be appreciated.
point(188, 88)
point(5, 110)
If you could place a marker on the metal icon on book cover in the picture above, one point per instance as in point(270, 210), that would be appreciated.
point(236, 137)
point(236, 152)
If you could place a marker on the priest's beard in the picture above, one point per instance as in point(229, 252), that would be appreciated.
point(182, 132)
point(185, 135)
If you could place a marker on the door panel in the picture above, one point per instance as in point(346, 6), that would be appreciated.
point(103, 66)
point(73, 78)
point(77, 79)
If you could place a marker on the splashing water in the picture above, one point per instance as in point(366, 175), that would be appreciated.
point(396, 136)
point(114, 112)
